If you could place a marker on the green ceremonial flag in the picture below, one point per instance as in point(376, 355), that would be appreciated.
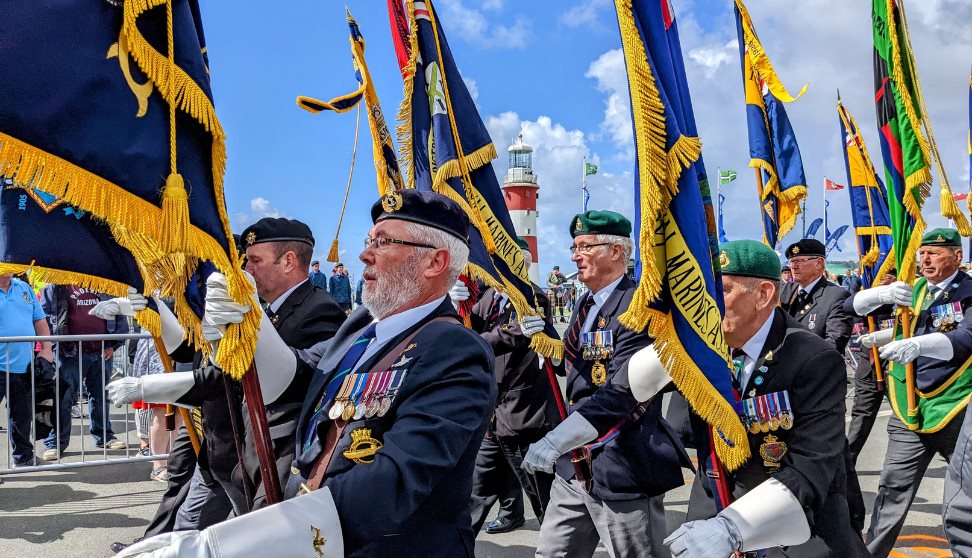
point(589, 169)
point(726, 176)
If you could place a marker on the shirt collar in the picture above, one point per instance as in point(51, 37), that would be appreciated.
point(390, 327)
point(944, 284)
point(276, 304)
point(809, 288)
point(601, 296)
point(754, 347)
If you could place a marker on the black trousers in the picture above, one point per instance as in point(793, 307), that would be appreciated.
point(499, 477)
point(867, 401)
point(181, 465)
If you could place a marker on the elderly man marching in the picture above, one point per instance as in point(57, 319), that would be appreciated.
point(626, 456)
point(940, 345)
point(393, 418)
point(791, 491)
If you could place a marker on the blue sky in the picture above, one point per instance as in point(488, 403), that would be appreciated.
point(553, 70)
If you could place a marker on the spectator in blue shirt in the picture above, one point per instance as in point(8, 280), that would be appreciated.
point(340, 287)
point(20, 314)
point(357, 291)
point(317, 278)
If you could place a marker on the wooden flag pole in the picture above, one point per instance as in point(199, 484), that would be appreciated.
point(261, 435)
point(878, 373)
point(909, 367)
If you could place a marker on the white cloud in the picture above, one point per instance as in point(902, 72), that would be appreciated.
point(584, 13)
point(609, 71)
point(472, 25)
point(471, 86)
point(711, 58)
point(260, 207)
point(557, 162)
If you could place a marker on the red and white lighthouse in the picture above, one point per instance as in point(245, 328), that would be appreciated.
point(520, 190)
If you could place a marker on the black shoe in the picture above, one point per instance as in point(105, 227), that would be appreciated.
point(503, 525)
point(117, 547)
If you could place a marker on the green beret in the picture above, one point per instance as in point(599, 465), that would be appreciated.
point(749, 258)
point(522, 243)
point(942, 237)
point(600, 222)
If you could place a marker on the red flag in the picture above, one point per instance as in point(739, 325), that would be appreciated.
point(831, 185)
point(399, 30)
point(959, 196)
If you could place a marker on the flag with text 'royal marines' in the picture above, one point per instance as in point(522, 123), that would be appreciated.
point(107, 112)
point(446, 148)
point(679, 296)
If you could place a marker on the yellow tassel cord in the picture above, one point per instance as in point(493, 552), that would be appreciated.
point(659, 171)
point(175, 200)
point(949, 208)
point(334, 256)
point(403, 132)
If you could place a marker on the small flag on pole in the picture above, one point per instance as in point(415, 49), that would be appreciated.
point(589, 169)
point(831, 185)
point(960, 196)
point(727, 176)
point(587, 198)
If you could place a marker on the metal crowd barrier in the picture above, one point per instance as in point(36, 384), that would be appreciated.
point(90, 456)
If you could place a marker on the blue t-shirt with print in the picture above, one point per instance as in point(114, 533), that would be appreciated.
point(19, 309)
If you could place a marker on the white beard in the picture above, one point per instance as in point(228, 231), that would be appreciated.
point(393, 290)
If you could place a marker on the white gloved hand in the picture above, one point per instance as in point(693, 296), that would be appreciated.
point(574, 432)
point(124, 390)
point(877, 339)
point(121, 306)
point(717, 537)
point(645, 373)
point(172, 331)
point(933, 345)
point(170, 545)
point(459, 293)
point(868, 300)
point(532, 325)
point(221, 309)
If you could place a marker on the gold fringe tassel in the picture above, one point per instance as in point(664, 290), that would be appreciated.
point(332, 255)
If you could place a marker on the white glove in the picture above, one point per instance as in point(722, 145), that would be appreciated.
point(121, 306)
point(716, 538)
point(172, 331)
point(278, 531)
point(459, 293)
point(532, 325)
point(877, 339)
point(933, 345)
point(867, 301)
point(221, 309)
point(646, 374)
point(574, 432)
point(155, 388)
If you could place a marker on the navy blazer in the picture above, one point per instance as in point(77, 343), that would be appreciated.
point(824, 314)
point(646, 457)
point(413, 499)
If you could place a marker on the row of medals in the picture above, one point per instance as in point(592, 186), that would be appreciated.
point(776, 413)
point(375, 402)
point(597, 346)
point(947, 316)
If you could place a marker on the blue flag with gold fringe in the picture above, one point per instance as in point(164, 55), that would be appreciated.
point(868, 202)
point(109, 109)
point(772, 144)
point(679, 300)
point(446, 148)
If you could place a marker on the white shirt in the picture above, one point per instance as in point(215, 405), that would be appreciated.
point(753, 348)
point(600, 297)
point(392, 326)
point(943, 285)
point(809, 288)
point(276, 304)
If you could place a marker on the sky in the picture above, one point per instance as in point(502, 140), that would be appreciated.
point(553, 70)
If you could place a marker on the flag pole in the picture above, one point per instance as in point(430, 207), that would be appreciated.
point(825, 220)
point(583, 182)
point(759, 190)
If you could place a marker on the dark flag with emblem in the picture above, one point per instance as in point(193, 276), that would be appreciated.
point(679, 296)
point(446, 148)
point(868, 202)
point(772, 143)
point(109, 110)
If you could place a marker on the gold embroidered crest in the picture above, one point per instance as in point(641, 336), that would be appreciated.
point(250, 238)
point(391, 202)
point(318, 541)
point(724, 259)
point(363, 446)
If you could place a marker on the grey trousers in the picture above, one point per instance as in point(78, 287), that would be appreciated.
point(575, 521)
point(908, 456)
point(957, 508)
point(204, 505)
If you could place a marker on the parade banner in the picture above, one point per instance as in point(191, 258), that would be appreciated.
point(772, 143)
point(109, 110)
point(383, 149)
point(722, 231)
point(832, 238)
point(868, 202)
point(679, 296)
point(445, 147)
point(814, 225)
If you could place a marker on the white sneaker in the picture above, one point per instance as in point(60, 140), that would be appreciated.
point(51, 454)
point(115, 444)
point(77, 411)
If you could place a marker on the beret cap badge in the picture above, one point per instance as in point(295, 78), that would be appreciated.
point(251, 238)
point(723, 259)
point(391, 202)
point(796, 249)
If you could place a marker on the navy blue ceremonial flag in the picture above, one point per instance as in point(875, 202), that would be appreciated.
point(679, 298)
point(87, 89)
point(722, 231)
point(814, 225)
point(446, 148)
point(772, 144)
point(868, 202)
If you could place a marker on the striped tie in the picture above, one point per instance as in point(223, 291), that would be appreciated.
point(930, 297)
point(572, 338)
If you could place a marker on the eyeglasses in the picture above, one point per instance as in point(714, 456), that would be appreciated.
point(586, 248)
point(381, 242)
point(801, 261)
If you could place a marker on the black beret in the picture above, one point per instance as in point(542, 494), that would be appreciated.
point(600, 222)
point(806, 247)
point(425, 208)
point(276, 229)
